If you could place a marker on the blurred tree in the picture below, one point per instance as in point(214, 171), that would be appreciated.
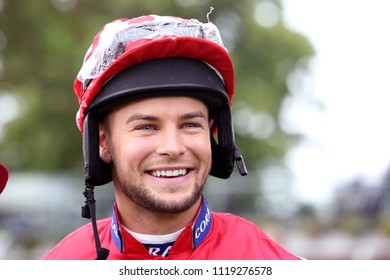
point(43, 44)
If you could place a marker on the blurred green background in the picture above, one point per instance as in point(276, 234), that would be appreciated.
point(42, 45)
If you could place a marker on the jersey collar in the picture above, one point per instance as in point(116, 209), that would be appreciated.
point(200, 228)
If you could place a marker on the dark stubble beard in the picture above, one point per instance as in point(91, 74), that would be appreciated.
point(138, 193)
point(145, 199)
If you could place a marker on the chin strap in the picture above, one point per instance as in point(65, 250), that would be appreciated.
point(88, 211)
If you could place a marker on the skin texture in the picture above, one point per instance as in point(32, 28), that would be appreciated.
point(160, 153)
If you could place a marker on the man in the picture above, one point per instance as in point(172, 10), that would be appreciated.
point(153, 91)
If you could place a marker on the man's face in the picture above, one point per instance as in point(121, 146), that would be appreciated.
point(160, 151)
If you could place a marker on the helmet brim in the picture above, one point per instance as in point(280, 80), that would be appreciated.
point(162, 77)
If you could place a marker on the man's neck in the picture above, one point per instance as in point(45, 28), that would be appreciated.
point(142, 221)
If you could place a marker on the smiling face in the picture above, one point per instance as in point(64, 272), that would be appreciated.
point(160, 152)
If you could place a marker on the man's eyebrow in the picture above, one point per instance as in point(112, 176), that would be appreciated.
point(197, 114)
point(144, 117)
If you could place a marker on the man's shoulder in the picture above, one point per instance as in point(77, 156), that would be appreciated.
point(79, 243)
point(86, 230)
point(237, 225)
point(228, 219)
point(246, 239)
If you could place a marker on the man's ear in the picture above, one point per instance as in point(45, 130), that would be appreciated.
point(211, 122)
point(104, 145)
point(213, 126)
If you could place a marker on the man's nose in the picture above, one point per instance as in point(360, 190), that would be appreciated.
point(171, 143)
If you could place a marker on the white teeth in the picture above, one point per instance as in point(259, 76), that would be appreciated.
point(169, 173)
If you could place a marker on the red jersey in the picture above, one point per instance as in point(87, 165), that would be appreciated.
point(212, 236)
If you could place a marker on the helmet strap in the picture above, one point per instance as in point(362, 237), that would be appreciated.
point(88, 211)
point(225, 152)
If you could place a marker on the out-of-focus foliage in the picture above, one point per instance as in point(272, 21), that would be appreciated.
point(43, 44)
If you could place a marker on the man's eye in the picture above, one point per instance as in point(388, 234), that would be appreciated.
point(191, 125)
point(145, 127)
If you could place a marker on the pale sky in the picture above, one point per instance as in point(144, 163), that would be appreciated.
point(350, 136)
